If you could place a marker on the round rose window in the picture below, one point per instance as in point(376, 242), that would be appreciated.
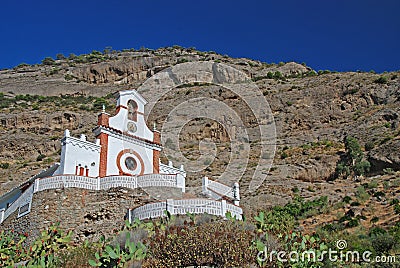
point(130, 163)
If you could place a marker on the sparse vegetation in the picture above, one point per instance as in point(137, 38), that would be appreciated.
point(353, 162)
point(381, 80)
point(48, 61)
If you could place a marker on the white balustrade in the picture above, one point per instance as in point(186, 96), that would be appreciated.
point(215, 190)
point(183, 206)
point(133, 182)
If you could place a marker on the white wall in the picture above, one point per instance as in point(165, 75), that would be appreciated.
point(76, 152)
point(118, 143)
point(120, 120)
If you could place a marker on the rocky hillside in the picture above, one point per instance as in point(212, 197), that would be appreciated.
point(313, 112)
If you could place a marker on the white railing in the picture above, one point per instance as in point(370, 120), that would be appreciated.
point(183, 206)
point(25, 198)
point(216, 190)
point(117, 181)
point(157, 180)
point(66, 181)
point(133, 182)
point(149, 211)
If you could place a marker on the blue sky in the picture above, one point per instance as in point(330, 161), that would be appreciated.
point(339, 35)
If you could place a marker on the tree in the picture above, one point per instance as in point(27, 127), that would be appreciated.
point(48, 61)
point(353, 162)
point(72, 56)
point(60, 56)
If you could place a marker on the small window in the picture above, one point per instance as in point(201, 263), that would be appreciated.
point(130, 163)
point(132, 110)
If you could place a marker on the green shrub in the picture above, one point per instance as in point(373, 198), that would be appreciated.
point(361, 194)
point(397, 208)
point(40, 157)
point(381, 80)
point(69, 77)
point(217, 244)
point(375, 219)
point(333, 227)
point(347, 199)
point(48, 61)
point(182, 60)
point(383, 243)
point(353, 162)
point(43, 252)
point(54, 71)
point(4, 165)
point(379, 194)
point(21, 65)
point(353, 223)
point(394, 201)
point(372, 184)
point(60, 56)
point(284, 155)
point(278, 75)
point(99, 102)
point(11, 248)
point(369, 146)
point(117, 256)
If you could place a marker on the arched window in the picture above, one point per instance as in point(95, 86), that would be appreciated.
point(132, 110)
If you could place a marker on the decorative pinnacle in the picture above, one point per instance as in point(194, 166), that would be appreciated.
point(104, 109)
point(154, 126)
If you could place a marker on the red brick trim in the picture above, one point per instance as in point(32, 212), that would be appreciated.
point(103, 120)
point(119, 107)
point(119, 156)
point(156, 161)
point(103, 154)
point(156, 153)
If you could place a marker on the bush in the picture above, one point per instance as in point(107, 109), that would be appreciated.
point(369, 146)
point(99, 102)
point(4, 165)
point(48, 61)
point(383, 243)
point(278, 75)
point(353, 223)
point(69, 77)
point(347, 199)
point(394, 201)
point(60, 56)
point(381, 80)
point(397, 208)
point(43, 252)
point(361, 194)
point(375, 219)
point(220, 244)
point(284, 155)
point(352, 163)
point(40, 157)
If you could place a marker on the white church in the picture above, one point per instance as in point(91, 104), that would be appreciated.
point(125, 153)
point(124, 145)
